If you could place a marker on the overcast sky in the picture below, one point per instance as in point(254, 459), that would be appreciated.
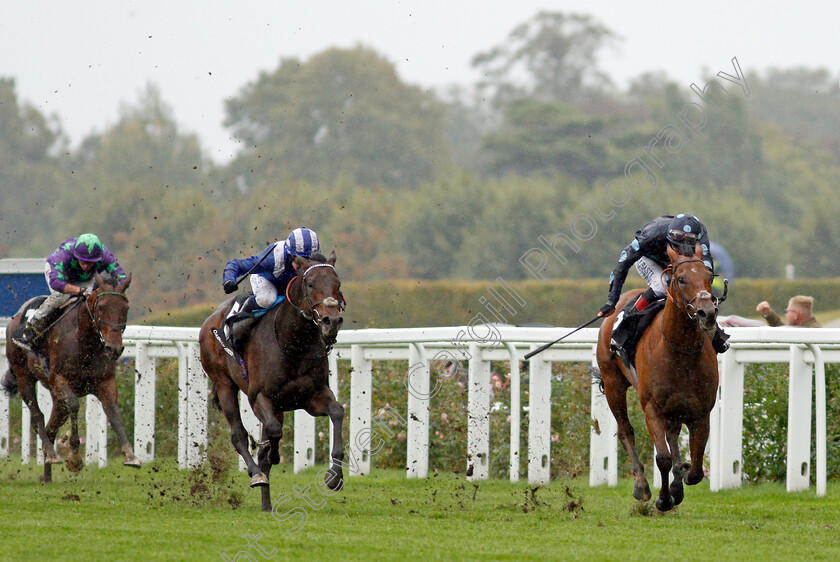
point(82, 60)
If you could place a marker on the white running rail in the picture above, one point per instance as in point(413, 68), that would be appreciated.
point(427, 351)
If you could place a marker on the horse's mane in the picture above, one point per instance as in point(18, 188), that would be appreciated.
point(318, 257)
point(109, 279)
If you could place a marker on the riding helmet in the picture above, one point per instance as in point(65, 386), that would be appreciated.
point(88, 248)
point(303, 242)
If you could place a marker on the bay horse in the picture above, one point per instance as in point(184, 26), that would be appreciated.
point(77, 357)
point(283, 367)
point(677, 374)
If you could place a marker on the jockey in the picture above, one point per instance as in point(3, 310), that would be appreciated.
point(69, 271)
point(648, 251)
point(271, 270)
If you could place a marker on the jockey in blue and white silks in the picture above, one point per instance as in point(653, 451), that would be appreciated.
point(273, 268)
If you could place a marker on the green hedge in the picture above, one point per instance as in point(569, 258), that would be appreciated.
point(406, 303)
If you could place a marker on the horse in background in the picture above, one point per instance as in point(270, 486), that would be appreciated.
point(283, 367)
point(676, 377)
point(78, 357)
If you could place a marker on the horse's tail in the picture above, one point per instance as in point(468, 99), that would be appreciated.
point(595, 373)
point(214, 396)
point(9, 383)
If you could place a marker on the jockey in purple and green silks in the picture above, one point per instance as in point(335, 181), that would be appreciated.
point(69, 271)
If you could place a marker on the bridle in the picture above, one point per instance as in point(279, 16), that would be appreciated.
point(679, 300)
point(315, 316)
point(94, 313)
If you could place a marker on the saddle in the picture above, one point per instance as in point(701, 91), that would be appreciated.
point(633, 325)
point(50, 319)
point(238, 324)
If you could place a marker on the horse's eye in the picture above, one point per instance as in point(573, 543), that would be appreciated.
point(681, 280)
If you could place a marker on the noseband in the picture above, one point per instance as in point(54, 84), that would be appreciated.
point(315, 316)
point(94, 314)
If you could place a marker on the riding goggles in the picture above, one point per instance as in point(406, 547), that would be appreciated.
point(680, 237)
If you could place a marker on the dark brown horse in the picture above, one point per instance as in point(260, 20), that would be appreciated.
point(78, 357)
point(677, 378)
point(285, 358)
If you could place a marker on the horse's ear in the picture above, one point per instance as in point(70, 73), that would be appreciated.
point(125, 283)
point(672, 253)
point(331, 261)
point(302, 262)
point(98, 280)
point(698, 251)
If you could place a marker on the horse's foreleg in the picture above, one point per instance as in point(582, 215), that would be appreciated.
point(66, 405)
point(679, 468)
point(664, 461)
point(229, 402)
point(269, 451)
point(326, 404)
point(698, 435)
point(36, 420)
point(335, 477)
point(106, 392)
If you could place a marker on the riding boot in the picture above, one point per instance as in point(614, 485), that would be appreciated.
point(624, 329)
point(241, 322)
point(719, 342)
point(29, 332)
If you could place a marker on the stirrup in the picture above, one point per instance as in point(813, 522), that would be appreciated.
point(25, 338)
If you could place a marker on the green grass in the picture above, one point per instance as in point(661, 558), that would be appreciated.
point(160, 513)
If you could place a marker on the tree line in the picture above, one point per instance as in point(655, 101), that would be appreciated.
point(460, 183)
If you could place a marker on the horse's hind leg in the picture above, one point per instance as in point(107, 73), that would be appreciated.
point(657, 429)
point(698, 435)
point(106, 391)
point(616, 393)
point(28, 394)
point(323, 405)
point(229, 401)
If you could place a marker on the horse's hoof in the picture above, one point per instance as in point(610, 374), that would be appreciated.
point(692, 479)
point(662, 505)
point(677, 492)
point(133, 463)
point(259, 479)
point(642, 493)
point(52, 459)
point(334, 480)
point(75, 465)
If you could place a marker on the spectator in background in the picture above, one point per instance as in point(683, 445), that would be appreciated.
point(797, 313)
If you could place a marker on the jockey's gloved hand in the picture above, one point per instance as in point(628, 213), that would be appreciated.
point(230, 287)
point(83, 292)
point(607, 309)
